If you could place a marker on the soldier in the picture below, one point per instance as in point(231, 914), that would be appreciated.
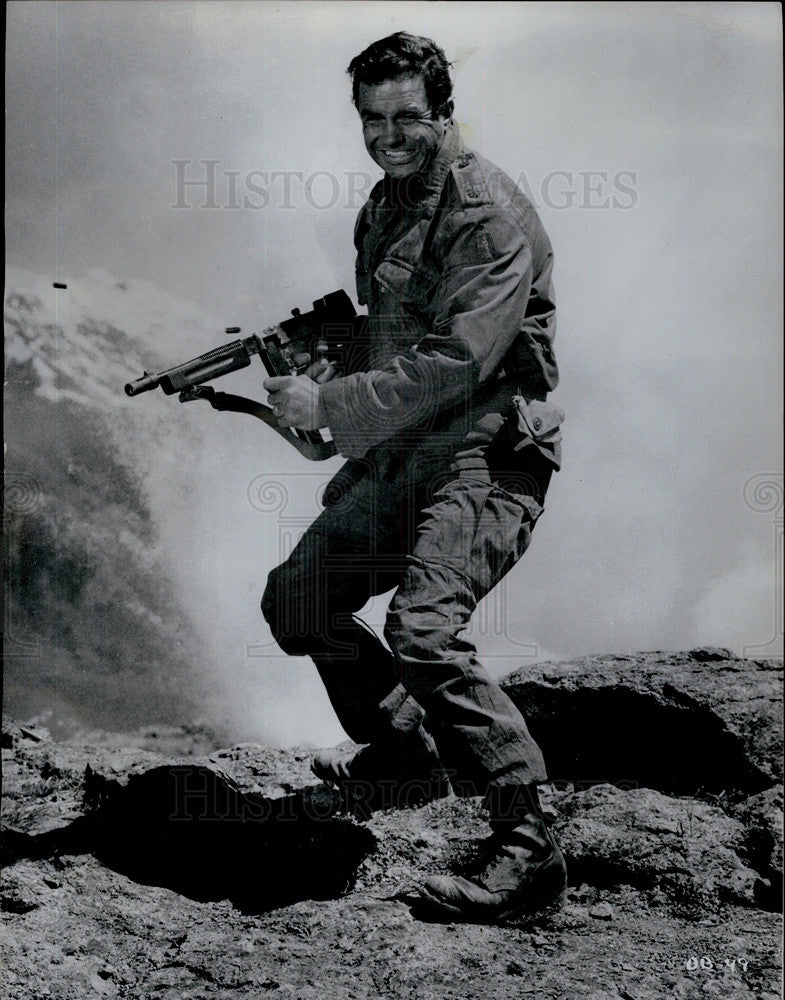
point(451, 446)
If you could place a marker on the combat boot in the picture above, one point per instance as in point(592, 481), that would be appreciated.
point(396, 773)
point(525, 875)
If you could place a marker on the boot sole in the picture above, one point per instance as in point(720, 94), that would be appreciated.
point(432, 905)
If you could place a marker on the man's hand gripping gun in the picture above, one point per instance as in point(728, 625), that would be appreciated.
point(328, 332)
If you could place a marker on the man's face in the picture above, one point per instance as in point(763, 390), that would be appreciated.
point(399, 130)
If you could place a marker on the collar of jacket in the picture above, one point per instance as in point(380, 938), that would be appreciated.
point(424, 191)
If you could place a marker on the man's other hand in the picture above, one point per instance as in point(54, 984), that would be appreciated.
point(295, 401)
point(321, 370)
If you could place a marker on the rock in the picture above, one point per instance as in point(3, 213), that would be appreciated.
point(644, 838)
point(231, 874)
point(677, 722)
point(430, 839)
point(11, 735)
point(196, 824)
point(190, 873)
point(22, 889)
point(762, 815)
point(15, 733)
point(44, 792)
point(50, 788)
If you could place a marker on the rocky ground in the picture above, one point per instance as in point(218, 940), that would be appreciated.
point(157, 866)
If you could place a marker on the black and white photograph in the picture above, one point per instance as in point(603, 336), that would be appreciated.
point(314, 311)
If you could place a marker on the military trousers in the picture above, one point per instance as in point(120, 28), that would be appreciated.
point(442, 521)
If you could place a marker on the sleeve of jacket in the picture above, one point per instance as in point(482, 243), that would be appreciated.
point(474, 316)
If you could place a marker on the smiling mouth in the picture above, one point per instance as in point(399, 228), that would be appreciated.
point(398, 156)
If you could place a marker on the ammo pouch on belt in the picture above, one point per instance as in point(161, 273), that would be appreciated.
point(539, 425)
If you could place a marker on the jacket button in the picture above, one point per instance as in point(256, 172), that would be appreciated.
point(536, 423)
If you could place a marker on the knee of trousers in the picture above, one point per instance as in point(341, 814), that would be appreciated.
point(421, 633)
point(293, 613)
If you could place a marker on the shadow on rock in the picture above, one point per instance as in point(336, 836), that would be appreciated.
point(193, 829)
point(695, 723)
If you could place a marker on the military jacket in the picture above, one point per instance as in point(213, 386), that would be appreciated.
point(457, 278)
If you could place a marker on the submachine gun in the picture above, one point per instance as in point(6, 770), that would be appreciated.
point(331, 330)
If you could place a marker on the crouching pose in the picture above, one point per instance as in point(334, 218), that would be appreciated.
point(450, 445)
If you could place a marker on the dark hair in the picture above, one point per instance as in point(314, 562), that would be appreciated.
point(403, 54)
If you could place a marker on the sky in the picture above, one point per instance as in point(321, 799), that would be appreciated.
point(649, 137)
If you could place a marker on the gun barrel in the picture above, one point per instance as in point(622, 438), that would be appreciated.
point(143, 384)
point(212, 364)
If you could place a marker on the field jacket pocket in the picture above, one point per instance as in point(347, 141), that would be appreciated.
point(539, 425)
point(391, 278)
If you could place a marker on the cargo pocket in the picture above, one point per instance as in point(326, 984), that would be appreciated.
point(413, 287)
point(421, 287)
point(471, 536)
point(391, 278)
point(539, 426)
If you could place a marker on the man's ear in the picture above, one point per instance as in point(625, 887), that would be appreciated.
point(444, 114)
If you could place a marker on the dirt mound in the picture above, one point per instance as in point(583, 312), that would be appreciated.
point(132, 873)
